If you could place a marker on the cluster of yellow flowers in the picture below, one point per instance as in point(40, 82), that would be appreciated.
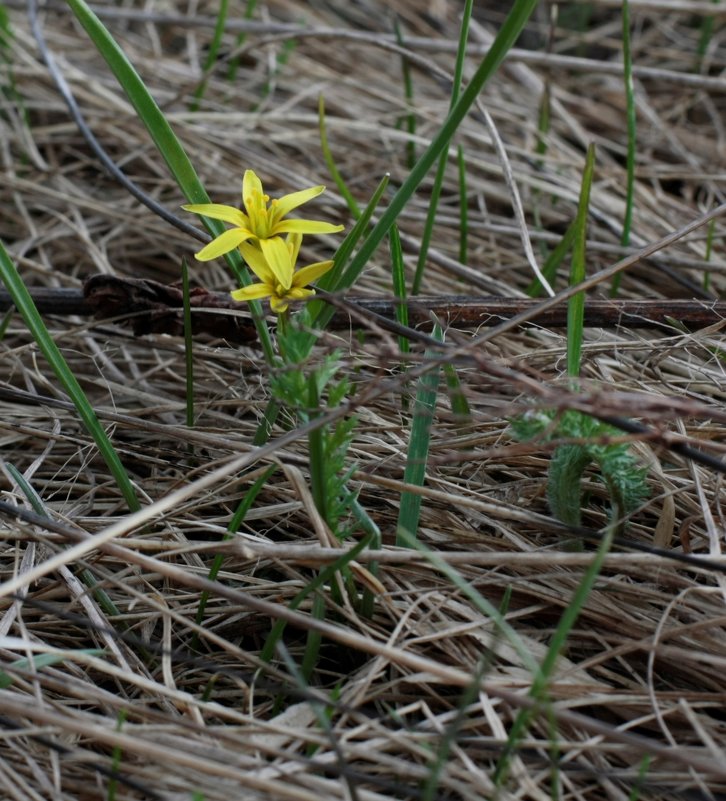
point(258, 233)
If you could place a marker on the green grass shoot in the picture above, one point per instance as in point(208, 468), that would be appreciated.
point(345, 192)
point(463, 207)
point(428, 229)
point(576, 304)
point(630, 117)
point(212, 53)
point(418, 446)
point(408, 119)
point(398, 272)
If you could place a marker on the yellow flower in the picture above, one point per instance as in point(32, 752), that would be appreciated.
point(261, 219)
point(273, 262)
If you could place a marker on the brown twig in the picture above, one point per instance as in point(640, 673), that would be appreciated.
point(153, 307)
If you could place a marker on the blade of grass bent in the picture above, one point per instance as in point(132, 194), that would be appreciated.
point(167, 144)
point(30, 314)
point(501, 45)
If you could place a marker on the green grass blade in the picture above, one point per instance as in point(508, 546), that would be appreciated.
point(463, 207)
point(30, 314)
point(313, 639)
point(704, 40)
point(428, 230)
point(542, 677)
point(501, 45)
point(146, 107)
point(410, 118)
point(549, 269)
point(340, 277)
point(116, 757)
point(316, 452)
point(167, 144)
point(235, 62)
point(710, 234)
point(345, 193)
point(398, 273)
point(637, 788)
point(41, 661)
point(234, 524)
point(418, 445)
point(323, 577)
point(485, 607)
point(576, 304)
point(459, 403)
point(212, 53)
point(631, 127)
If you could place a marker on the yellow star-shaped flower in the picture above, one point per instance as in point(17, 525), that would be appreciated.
point(261, 219)
point(273, 262)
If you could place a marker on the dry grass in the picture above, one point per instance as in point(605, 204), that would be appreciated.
point(643, 670)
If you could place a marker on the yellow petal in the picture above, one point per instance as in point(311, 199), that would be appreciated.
point(251, 189)
point(298, 293)
point(251, 292)
point(293, 243)
point(306, 227)
point(218, 211)
point(277, 256)
point(311, 273)
point(258, 264)
point(227, 241)
point(289, 202)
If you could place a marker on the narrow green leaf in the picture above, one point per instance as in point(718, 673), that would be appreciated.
point(30, 314)
point(428, 230)
point(235, 62)
point(553, 261)
point(346, 194)
point(459, 403)
point(316, 450)
point(237, 519)
point(41, 661)
point(418, 445)
point(398, 272)
point(323, 577)
point(212, 52)
point(630, 117)
point(410, 118)
point(463, 207)
point(543, 676)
